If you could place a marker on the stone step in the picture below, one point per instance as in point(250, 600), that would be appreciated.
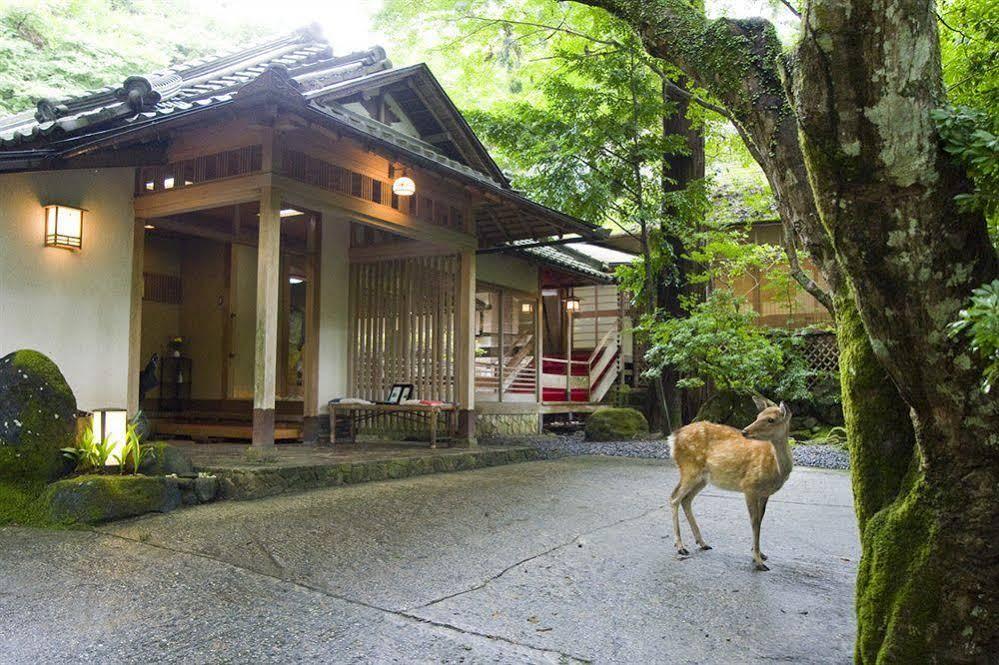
point(258, 481)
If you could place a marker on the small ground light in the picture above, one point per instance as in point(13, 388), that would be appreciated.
point(110, 425)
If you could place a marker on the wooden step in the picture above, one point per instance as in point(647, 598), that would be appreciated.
point(201, 431)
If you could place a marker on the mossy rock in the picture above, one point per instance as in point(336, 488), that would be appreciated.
point(162, 459)
point(37, 417)
point(96, 499)
point(728, 408)
point(616, 424)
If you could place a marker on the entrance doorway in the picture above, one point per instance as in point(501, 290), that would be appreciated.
point(199, 320)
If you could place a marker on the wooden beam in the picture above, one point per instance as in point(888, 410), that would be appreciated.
point(214, 194)
point(135, 315)
point(371, 214)
point(265, 357)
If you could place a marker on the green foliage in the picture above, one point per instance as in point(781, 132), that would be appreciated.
point(133, 451)
point(969, 45)
point(719, 344)
point(54, 49)
point(90, 455)
point(980, 321)
point(971, 137)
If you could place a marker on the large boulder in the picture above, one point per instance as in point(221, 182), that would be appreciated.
point(728, 408)
point(37, 417)
point(616, 424)
point(96, 499)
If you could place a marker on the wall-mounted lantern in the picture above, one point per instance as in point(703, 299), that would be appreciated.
point(63, 227)
point(111, 425)
point(402, 185)
point(527, 307)
point(572, 304)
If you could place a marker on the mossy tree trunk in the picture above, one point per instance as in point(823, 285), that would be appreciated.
point(863, 82)
point(843, 132)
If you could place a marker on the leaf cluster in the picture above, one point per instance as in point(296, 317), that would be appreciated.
point(970, 136)
point(980, 321)
point(719, 344)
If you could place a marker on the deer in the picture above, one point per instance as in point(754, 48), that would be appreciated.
point(755, 461)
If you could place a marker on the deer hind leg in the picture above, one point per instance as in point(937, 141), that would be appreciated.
point(755, 518)
point(688, 511)
point(680, 492)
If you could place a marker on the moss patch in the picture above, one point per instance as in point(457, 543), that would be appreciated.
point(878, 429)
point(19, 505)
point(95, 499)
point(899, 582)
point(615, 424)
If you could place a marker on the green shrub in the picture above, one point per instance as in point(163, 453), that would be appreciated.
point(615, 424)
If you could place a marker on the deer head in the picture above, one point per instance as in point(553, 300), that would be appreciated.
point(772, 423)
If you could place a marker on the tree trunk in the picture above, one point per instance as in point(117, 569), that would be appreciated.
point(679, 171)
point(870, 193)
point(864, 84)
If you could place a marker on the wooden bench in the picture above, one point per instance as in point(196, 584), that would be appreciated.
point(355, 413)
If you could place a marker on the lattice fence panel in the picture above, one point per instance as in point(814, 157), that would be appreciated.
point(404, 329)
point(822, 355)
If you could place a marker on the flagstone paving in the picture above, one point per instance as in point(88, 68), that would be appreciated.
point(564, 560)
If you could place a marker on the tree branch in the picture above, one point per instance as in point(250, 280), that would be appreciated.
point(791, 8)
point(799, 275)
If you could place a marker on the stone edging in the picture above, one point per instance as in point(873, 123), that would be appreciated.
point(257, 482)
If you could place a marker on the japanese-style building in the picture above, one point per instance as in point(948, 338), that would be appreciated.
point(284, 226)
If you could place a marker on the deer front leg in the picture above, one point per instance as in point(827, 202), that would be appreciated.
point(755, 517)
point(763, 512)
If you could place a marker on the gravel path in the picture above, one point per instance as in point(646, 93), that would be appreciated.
point(569, 445)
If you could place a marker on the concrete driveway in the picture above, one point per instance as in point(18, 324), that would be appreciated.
point(557, 561)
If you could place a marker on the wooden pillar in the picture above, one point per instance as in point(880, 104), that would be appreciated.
point(135, 316)
point(312, 423)
point(265, 358)
point(501, 297)
point(465, 350)
point(539, 351)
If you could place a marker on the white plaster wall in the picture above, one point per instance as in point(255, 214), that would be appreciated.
point(333, 311)
point(508, 271)
point(72, 306)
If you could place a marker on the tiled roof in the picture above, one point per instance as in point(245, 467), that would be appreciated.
point(303, 67)
point(201, 82)
point(565, 258)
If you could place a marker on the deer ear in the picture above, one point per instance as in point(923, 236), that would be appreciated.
point(761, 402)
point(785, 413)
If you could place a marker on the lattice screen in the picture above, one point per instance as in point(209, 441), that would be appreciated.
point(403, 326)
point(821, 352)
